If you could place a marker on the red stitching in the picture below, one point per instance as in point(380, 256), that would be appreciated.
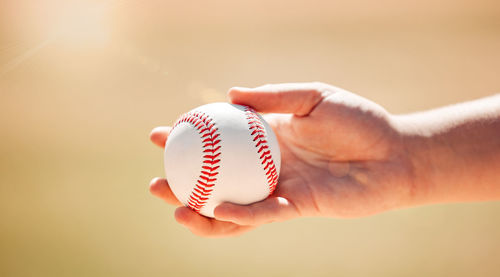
point(258, 133)
point(209, 136)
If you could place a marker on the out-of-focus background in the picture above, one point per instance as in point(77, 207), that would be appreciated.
point(83, 82)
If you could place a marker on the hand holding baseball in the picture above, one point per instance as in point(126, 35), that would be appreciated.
point(340, 157)
point(345, 156)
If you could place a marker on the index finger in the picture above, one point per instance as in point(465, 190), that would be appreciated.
point(297, 98)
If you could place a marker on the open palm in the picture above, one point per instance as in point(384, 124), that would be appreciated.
point(341, 157)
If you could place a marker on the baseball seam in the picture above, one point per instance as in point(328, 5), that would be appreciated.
point(211, 151)
point(260, 139)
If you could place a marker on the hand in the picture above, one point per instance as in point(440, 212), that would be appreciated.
point(341, 157)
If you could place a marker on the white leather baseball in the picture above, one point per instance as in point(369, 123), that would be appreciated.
point(221, 152)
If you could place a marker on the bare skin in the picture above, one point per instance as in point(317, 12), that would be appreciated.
point(345, 156)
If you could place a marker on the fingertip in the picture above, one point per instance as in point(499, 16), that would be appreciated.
point(230, 94)
point(196, 223)
point(160, 188)
point(155, 185)
point(234, 94)
point(182, 215)
point(159, 135)
point(161, 130)
point(154, 132)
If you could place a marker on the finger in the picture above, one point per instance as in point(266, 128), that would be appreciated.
point(297, 98)
point(269, 210)
point(160, 188)
point(207, 227)
point(159, 135)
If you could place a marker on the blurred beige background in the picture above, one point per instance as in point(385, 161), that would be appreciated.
point(83, 82)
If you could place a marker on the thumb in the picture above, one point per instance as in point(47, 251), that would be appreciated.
point(297, 98)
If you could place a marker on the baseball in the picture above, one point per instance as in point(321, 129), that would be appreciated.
point(219, 153)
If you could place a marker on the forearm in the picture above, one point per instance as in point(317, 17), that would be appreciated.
point(455, 152)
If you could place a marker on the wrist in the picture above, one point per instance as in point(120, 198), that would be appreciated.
point(421, 150)
point(453, 158)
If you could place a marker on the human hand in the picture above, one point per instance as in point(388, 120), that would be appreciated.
point(341, 157)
